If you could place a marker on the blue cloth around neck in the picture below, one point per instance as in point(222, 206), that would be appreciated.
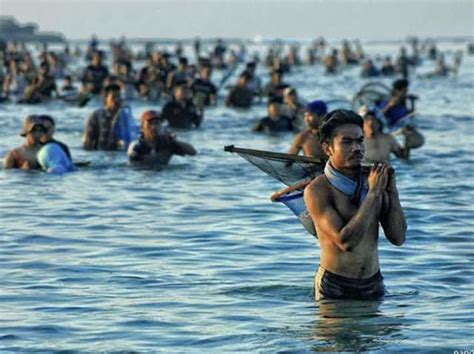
point(346, 185)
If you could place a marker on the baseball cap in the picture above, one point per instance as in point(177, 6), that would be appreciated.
point(150, 115)
point(30, 122)
point(318, 107)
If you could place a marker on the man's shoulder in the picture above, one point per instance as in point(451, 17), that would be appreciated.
point(300, 137)
point(318, 189)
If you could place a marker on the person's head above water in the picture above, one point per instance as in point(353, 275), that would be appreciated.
point(342, 138)
point(33, 129)
point(335, 119)
point(49, 126)
point(318, 107)
point(112, 96)
point(315, 111)
point(273, 109)
point(400, 84)
point(151, 122)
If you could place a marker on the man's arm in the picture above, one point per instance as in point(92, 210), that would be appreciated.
point(296, 145)
point(9, 161)
point(182, 148)
point(346, 235)
point(90, 137)
point(396, 148)
point(392, 217)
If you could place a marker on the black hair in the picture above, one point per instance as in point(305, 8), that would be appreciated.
point(246, 75)
point(110, 88)
point(400, 84)
point(275, 99)
point(183, 61)
point(50, 119)
point(335, 119)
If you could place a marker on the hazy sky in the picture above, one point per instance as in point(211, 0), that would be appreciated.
point(336, 19)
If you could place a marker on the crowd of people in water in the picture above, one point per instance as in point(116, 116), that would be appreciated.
point(185, 87)
point(346, 203)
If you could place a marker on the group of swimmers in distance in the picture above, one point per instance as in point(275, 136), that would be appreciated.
point(187, 90)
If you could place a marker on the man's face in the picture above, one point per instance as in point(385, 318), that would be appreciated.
point(276, 79)
point(36, 134)
point(96, 59)
point(151, 129)
point(312, 120)
point(49, 130)
point(180, 93)
point(113, 100)
point(274, 110)
point(371, 125)
point(205, 73)
point(291, 98)
point(347, 147)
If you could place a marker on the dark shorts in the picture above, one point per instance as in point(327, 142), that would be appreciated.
point(328, 285)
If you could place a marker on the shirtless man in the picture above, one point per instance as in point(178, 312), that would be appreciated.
point(347, 207)
point(24, 157)
point(378, 145)
point(308, 140)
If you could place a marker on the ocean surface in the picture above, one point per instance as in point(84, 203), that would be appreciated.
point(196, 258)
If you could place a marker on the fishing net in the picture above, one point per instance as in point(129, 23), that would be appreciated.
point(288, 169)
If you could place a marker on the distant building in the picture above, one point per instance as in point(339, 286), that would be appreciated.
point(11, 30)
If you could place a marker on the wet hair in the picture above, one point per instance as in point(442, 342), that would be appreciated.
point(183, 61)
point(335, 119)
point(45, 117)
point(245, 75)
point(400, 84)
point(111, 88)
point(251, 65)
point(274, 100)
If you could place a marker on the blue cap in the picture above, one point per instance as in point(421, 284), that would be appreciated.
point(317, 107)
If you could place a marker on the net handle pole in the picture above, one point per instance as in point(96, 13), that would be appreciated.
point(288, 157)
point(299, 186)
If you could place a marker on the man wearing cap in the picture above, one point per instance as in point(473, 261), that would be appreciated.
point(308, 140)
point(378, 145)
point(24, 157)
point(156, 146)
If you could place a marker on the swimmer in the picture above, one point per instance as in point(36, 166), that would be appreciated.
point(24, 157)
point(347, 207)
point(156, 146)
point(378, 145)
point(308, 140)
point(275, 121)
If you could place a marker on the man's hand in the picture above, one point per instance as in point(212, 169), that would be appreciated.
point(378, 178)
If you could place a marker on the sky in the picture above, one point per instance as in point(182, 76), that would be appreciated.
point(286, 19)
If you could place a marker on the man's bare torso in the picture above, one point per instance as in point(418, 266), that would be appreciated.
point(362, 261)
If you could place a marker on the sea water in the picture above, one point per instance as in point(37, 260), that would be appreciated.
point(195, 257)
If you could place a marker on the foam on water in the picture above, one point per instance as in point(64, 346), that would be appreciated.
point(195, 257)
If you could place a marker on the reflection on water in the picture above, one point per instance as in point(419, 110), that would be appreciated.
point(353, 326)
